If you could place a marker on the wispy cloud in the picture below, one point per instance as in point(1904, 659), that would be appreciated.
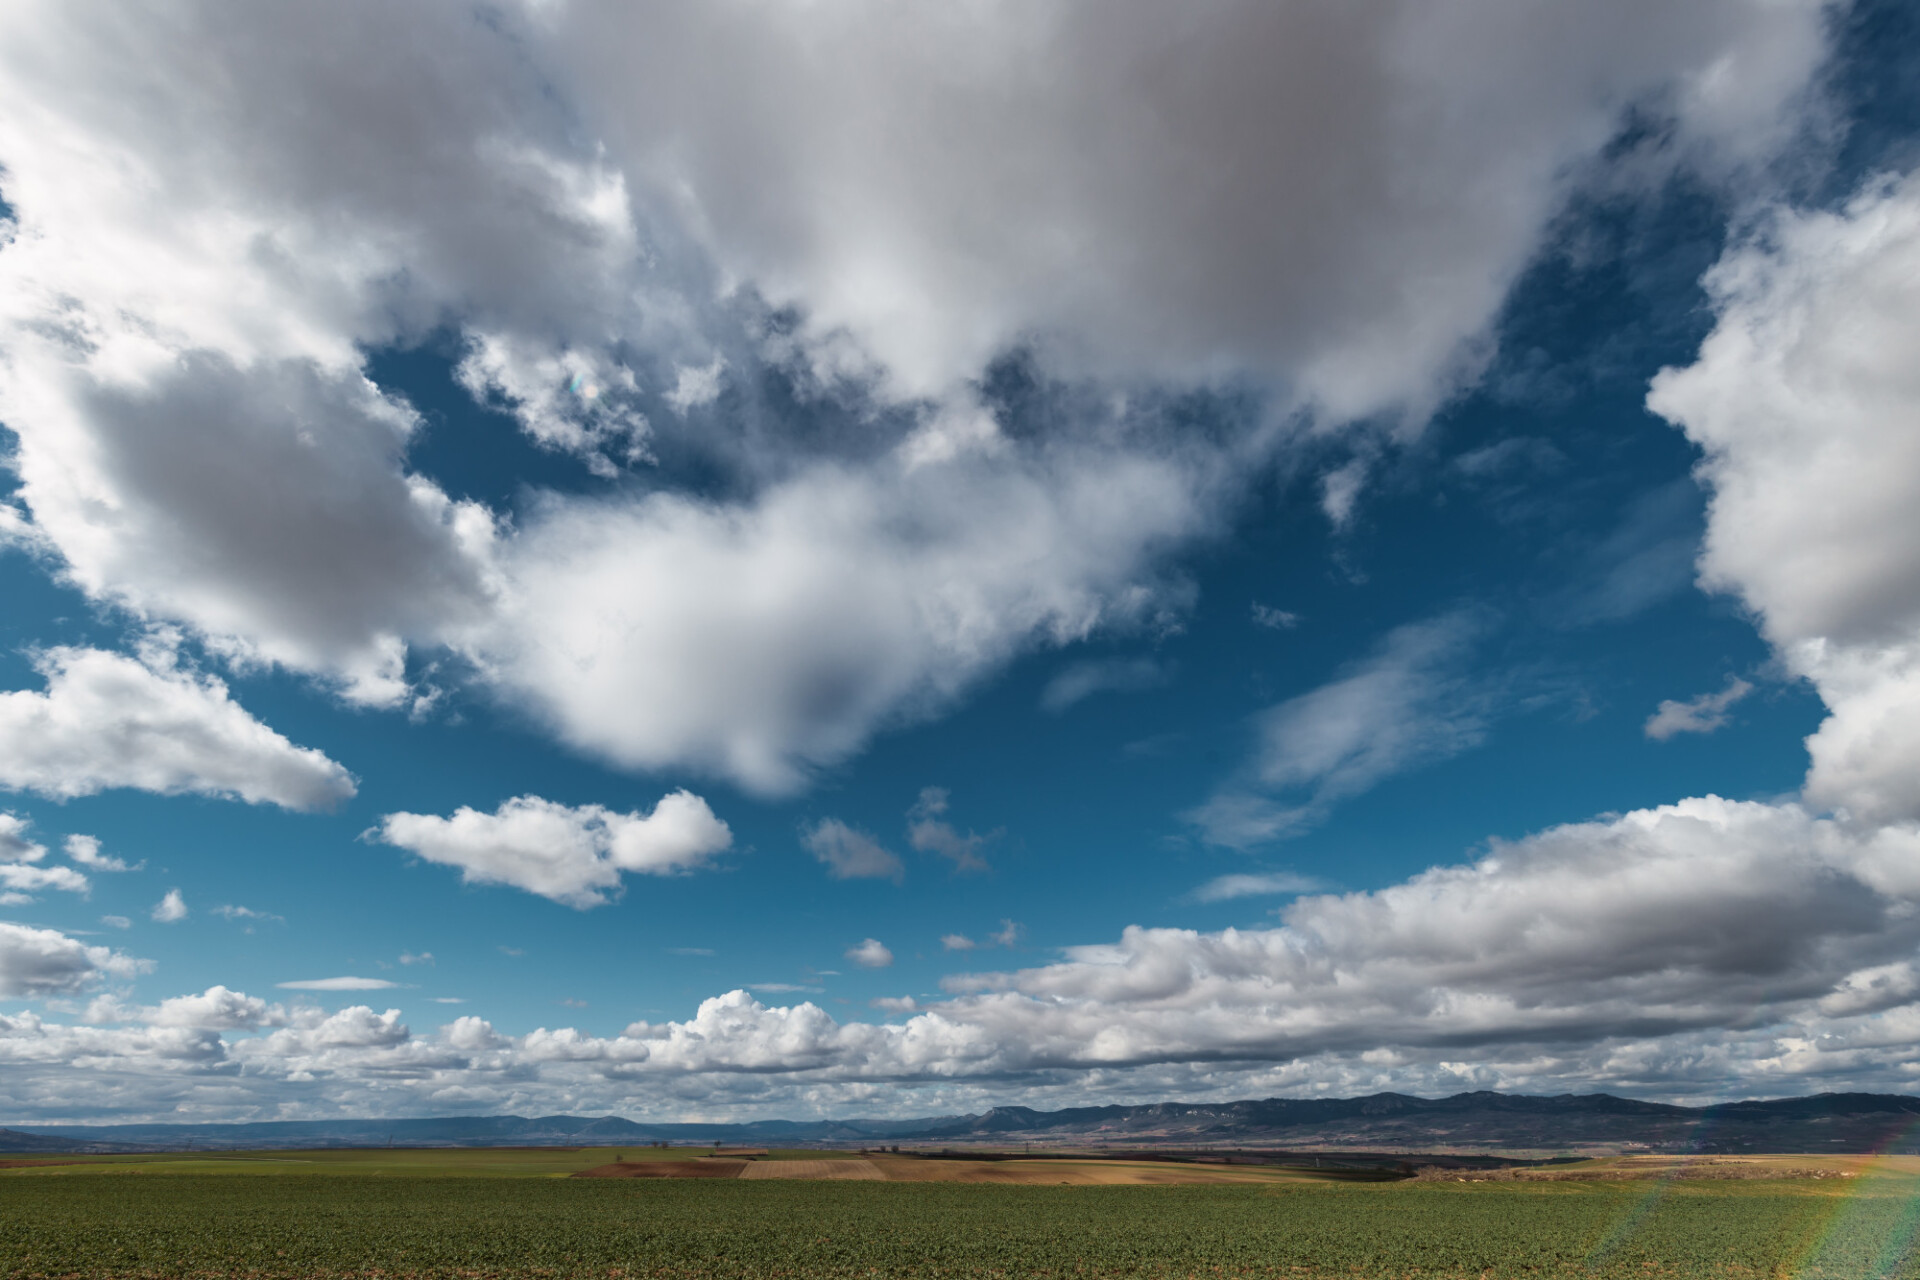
point(1703, 714)
point(1410, 703)
point(1082, 680)
point(1254, 884)
point(338, 984)
point(1274, 619)
point(849, 853)
point(230, 912)
point(929, 832)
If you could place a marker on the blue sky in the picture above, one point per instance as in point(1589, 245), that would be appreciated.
point(583, 561)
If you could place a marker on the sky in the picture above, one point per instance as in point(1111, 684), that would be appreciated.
point(725, 561)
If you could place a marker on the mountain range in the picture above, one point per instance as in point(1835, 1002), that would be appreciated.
point(1483, 1121)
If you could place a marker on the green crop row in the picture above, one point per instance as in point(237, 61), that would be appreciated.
point(190, 1225)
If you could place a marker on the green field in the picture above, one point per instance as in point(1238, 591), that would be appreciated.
point(390, 1214)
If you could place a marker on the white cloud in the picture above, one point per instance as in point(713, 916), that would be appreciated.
point(1665, 951)
point(696, 385)
point(957, 942)
point(171, 909)
point(107, 720)
point(218, 218)
point(1340, 492)
point(19, 879)
point(85, 850)
point(1093, 190)
point(424, 957)
point(870, 954)
point(1274, 619)
point(1801, 399)
point(574, 855)
point(849, 853)
point(1082, 680)
point(229, 911)
point(338, 984)
point(215, 1009)
point(765, 640)
point(116, 922)
point(1703, 714)
point(37, 963)
point(1254, 884)
point(1009, 935)
point(1406, 705)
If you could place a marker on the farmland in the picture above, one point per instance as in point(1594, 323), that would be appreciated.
point(465, 1214)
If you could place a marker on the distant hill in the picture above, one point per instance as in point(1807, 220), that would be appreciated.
point(1830, 1122)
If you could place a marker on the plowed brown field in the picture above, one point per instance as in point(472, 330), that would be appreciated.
point(837, 1170)
point(1072, 1172)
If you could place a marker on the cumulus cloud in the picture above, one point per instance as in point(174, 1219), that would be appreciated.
point(1656, 951)
point(107, 720)
point(37, 963)
point(216, 1009)
point(1076, 134)
point(19, 880)
point(1274, 619)
point(768, 639)
point(1408, 704)
point(957, 942)
point(571, 854)
point(1703, 714)
point(870, 954)
point(851, 854)
point(218, 217)
point(1801, 400)
point(171, 909)
point(85, 850)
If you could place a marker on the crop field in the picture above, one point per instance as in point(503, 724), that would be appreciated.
point(403, 1214)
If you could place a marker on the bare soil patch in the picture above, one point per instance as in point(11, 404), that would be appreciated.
point(1089, 1173)
point(838, 1170)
